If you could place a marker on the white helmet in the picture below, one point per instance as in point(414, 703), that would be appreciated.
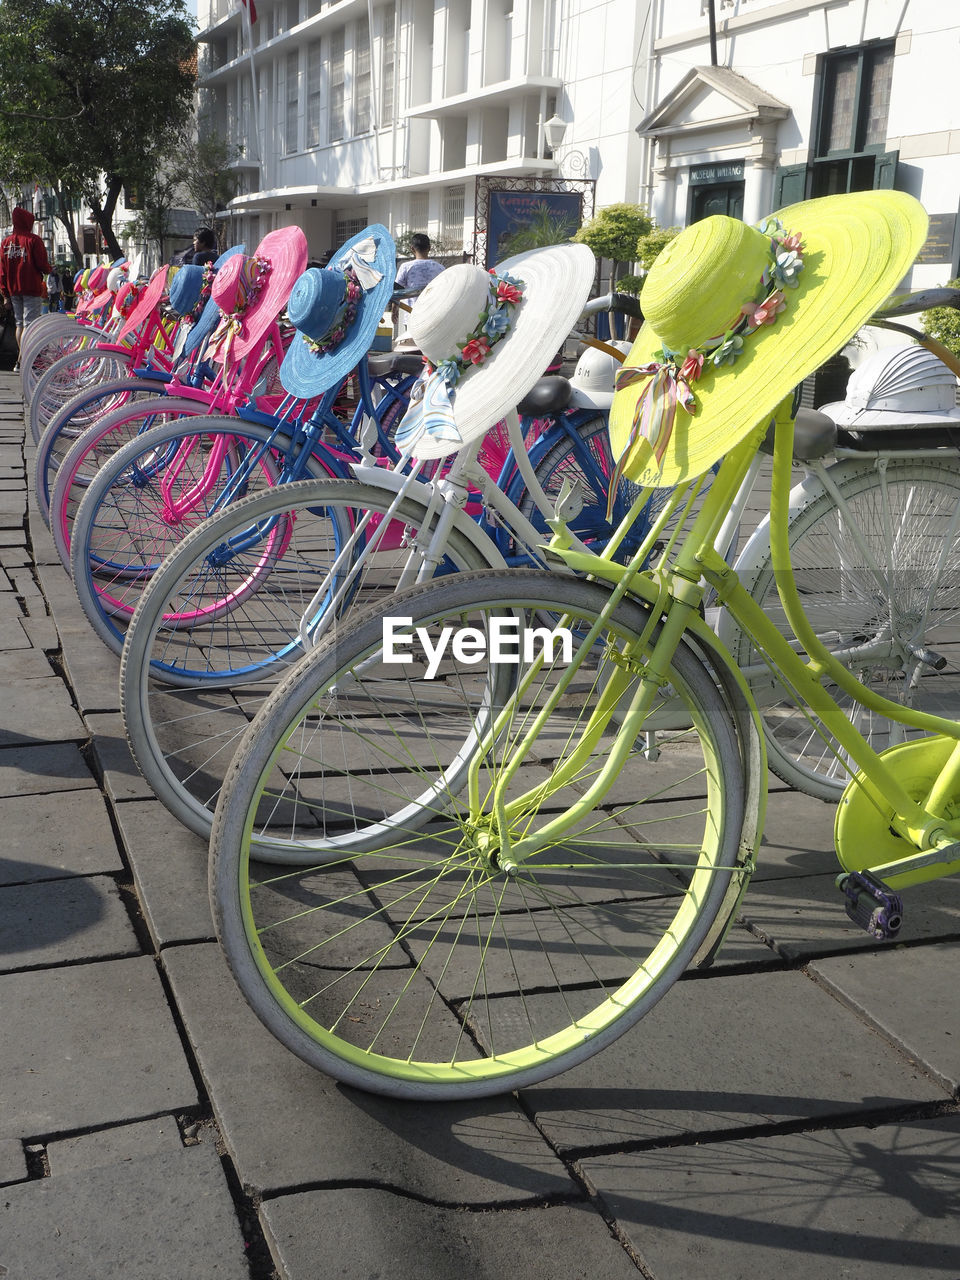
point(596, 369)
point(898, 387)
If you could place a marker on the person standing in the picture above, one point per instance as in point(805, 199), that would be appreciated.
point(23, 266)
point(415, 274)
point(54, 291)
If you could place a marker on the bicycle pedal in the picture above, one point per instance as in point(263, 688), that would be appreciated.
point(871, 904)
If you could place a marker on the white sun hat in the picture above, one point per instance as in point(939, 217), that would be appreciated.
point(898, 387)
point(486, 337)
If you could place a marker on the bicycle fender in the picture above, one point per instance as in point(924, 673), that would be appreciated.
point(394, 482)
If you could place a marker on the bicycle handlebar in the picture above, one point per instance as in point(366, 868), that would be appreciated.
point(906, 304)
point(626, 303)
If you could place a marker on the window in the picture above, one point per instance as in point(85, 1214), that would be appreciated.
point(453, 207)
point(419, 211)
point(362, 118)
point(314, 92)
point(346, 227)
point(851, 131)
point(335, 124)
point(388, 56)
point(292, 103)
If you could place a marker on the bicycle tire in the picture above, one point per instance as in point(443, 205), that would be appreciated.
point(846, 604)
point(180, 695)
point(121, 531)
point(56, 341)
point(85, 458)
point(76, 416)
point(423, 969)
point(74, 373)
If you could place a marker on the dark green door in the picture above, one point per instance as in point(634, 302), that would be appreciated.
point(720, 197)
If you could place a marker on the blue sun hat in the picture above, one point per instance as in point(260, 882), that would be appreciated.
point(201, 329)
point(336, 310)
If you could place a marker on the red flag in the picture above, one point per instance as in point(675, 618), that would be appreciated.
point(251, 9)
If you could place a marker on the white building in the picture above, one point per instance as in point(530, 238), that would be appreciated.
point(808, 98)
point(407, 111)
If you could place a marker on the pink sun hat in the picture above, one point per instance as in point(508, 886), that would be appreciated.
point(148, 302)
point(252, 290)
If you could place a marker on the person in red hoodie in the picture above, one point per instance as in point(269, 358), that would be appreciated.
point(23, 267)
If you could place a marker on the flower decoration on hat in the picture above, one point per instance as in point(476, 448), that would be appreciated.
point(432, 397)
point(206, 284)
point(250, 279)
point(668, 380)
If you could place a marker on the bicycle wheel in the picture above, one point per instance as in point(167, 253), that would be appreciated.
point(55, 341)
point(151, 494)
point(428, 965)
point(880, 582)
point(76, 416)
point(95, 449)
point(73, 373)
point(188, 691)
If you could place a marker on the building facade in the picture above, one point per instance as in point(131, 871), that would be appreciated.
point(404, 111)
point(803, 98)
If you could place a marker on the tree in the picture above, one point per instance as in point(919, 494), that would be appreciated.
point(94, 90)
point(943, 323)
point(204, 173)
point(152, 223)
point(614, 233)
point(652, 243)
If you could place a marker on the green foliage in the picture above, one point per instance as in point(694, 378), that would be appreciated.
point(205, 176)
point(652, 243)
point(943, 323)
point(94, 90)
point(543, 229)
point(629, 284)
point(615, 230)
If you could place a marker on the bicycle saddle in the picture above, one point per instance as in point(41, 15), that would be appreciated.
point(545, 397)
point(394, 362)
point(814, 435)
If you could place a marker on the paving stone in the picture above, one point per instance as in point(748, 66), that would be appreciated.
point(40, 709)
point(165, 1216)
point(87, 1045)
point(113, 1146)
point(364, 1232)
point(803, 917)
point(42, 632)
point(47, 836)
point(286, 1124)
point(13, 1161)
point(911, 994)
point(858, 1203)
point(797, 838)
point(170, 871)
point(727, 1052)
point(62, 921)
point(12, 537)
point(12, 634)
point(92, 670)
point(17, 665)
point(38, 770)
point(122, 780)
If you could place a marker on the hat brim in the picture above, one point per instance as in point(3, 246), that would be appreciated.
point(147, 304)
point(856, 250)
point(558, 281)
point(887, 419)
point(305, 374)
point(286, 251)
point(210, 314)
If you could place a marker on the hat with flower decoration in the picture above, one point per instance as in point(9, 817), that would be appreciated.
point(190, 298)
point(736, 316)
point(252, 290)
point(486, 336)
point(150, 299)
point(336, 310)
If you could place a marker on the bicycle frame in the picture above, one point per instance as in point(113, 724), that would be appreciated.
point(674, 591)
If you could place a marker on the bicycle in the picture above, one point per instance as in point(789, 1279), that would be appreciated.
point(518, 878)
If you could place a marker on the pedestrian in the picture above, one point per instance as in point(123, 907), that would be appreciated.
point(415, 274)
point(54, 291)
point(204, 249)
point(23, 266)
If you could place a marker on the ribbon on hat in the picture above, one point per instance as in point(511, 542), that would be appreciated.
point(430, 412)
point(358, 259)
point(670, 376)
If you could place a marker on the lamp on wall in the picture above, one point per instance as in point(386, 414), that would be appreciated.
point(572, 163)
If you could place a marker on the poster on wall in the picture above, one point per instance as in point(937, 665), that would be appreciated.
point(522, 220)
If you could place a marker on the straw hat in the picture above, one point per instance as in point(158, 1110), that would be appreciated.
point(190, 294)
point(336, 310)
point(737, 315)
point(251, 291)
point(905, 386)
point(486, 337)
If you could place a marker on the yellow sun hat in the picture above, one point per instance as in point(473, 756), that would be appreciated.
point(736, 316)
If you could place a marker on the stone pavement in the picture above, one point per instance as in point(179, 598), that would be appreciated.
point(793, 1112)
